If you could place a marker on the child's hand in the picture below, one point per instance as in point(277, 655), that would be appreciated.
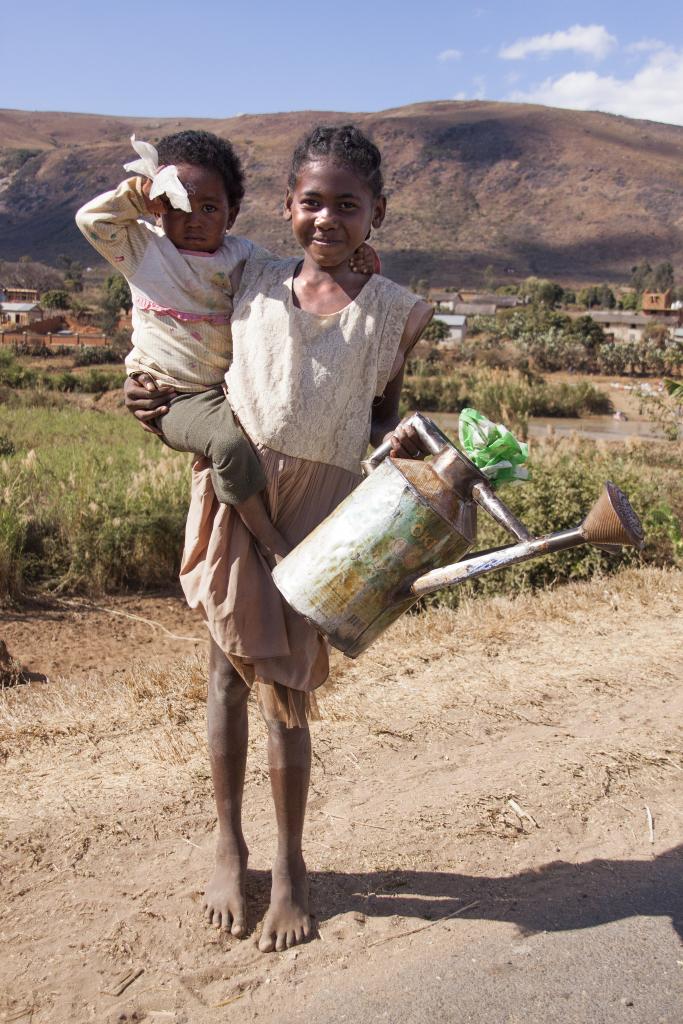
point(365, 260)
point(405, 442)
point(146, 401)
point(157, 207)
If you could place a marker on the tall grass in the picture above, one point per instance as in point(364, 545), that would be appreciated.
point(507, 396)
point(93, 381)
point(89, 503)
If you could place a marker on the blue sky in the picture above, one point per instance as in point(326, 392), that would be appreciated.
point(218, 59)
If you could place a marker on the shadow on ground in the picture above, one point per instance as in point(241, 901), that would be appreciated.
point(556, 897)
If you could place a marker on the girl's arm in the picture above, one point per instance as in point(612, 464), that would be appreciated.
point(405, 443)
point(112, 224)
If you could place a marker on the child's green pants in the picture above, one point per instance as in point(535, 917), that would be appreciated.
point(203, 423)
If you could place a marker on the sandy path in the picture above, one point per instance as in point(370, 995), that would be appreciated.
point(568, 704)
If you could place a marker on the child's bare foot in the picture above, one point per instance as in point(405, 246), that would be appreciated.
point(287, 922)
point(225, 899)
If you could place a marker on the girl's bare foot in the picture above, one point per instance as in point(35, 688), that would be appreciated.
point(287, 922)
point(225, 898)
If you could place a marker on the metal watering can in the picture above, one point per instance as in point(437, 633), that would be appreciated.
point(403, 532)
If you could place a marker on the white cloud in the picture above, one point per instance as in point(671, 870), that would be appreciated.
point(449, 55)
point(655, 92)
point(480, 87)
point(646, 46)
point(593, 40)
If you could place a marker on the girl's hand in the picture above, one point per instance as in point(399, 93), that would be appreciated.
point(146, 401)
point(365, 260)
point(157, 207)
point(405, 443)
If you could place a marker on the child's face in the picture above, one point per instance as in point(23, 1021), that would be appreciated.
point(212, 215)
point(332, 210)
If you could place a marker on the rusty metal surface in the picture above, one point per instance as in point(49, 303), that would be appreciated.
point(490, 561)
point(350, 577)
point(484, 496)
point(612, 521)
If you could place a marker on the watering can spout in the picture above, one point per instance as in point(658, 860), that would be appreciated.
point(610, 524)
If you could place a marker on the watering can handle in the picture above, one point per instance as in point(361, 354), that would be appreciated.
point(432, 438)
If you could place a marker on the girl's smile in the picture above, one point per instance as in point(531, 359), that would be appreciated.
point(332, 211)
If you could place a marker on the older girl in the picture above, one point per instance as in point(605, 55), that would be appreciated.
point(318, 353)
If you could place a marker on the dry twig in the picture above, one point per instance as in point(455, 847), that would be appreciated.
point(424, 927)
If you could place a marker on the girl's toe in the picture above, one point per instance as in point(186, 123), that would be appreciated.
point(281, 942)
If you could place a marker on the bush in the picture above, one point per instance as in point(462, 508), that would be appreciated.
point(90, 355)
point(510, 397)
point(566, 478)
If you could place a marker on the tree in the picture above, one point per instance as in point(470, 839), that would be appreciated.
point(663, 277)
point(489, 278)
point(436, 330)
point(629, 300)
point(118, 292)
point(538, 290)
point(606, 297)
point(56, 298)
point(73, 273)
point(586, 330)
point(641, 276)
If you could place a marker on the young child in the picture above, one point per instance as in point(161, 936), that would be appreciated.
point(318, 353)
point(181, 279)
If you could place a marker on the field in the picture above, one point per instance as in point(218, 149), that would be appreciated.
point(92, 505)
point(519, 743)
point(524, 842)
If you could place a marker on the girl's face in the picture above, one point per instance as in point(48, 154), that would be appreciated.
point(203, 229)
point(332, 210)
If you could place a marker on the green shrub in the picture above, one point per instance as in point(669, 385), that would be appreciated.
point(567, 477)
point(510, 397)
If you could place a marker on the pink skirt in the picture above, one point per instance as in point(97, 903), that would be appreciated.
point(224, 574)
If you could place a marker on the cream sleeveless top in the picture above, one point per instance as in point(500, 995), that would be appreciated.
point(303, 383)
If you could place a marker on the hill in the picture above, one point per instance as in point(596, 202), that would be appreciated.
point(530, 190)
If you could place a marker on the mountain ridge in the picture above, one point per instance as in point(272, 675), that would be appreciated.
point(526, 189)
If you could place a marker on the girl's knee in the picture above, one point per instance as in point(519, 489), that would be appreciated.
point(225, 681)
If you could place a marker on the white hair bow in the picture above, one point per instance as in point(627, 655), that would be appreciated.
point(165, 181)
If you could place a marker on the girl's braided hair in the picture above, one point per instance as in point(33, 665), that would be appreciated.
point(347, 146)
point(203, 149)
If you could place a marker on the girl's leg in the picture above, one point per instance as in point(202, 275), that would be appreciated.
point(287, 921)
point(227, 726)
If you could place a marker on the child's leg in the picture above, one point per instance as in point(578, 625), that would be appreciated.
point(287, 921)
point(227, 727)
point(204, 423)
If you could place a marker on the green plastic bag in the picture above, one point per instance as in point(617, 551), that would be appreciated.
point(492, 448)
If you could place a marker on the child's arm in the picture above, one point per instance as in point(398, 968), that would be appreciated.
point(405, 444)
point(112, 224)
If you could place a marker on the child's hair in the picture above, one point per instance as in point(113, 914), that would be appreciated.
point(203, 149)
point(347, 146)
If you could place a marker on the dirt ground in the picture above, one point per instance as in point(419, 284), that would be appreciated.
point(514, 768)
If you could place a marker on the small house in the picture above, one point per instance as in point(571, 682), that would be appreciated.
point(442, 300)
point(457, 326)
point(656, 302)
point(21, 294)
point(20, 314)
